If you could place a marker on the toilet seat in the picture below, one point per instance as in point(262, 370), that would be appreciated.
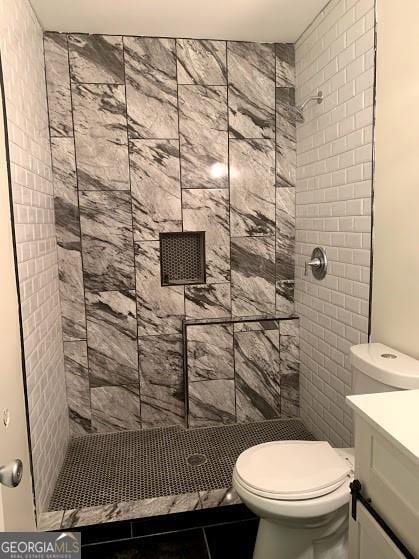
point(291, 470)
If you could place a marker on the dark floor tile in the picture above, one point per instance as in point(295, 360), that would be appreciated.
point(236, 540)
point(189, 520)
point(98, 533)
point(180, 545)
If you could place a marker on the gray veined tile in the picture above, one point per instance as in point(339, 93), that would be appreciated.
point(290, 367)
point(66, 204)
point(96, 58)
point(286, 153)
point(155, 188)
point(208, 210)
point(258, 393)
point(203, 136)
point(108, 252)
point(219, 498)
point(47, 521)
point(255, 326)
point(100, 130)
point(161, 381)
point(78, 389)
point(253, 275)
point(208, 301)
point(201, 61)
point(160, 309)
point(115, 408)
point(285, 64)
point(251, 71)
point(211, 402)
point(58, 84)
point(150, 69)
point(285, 296)
point(112, 338)
point(285, 235)
point(290, 328)
point(210, 352)
point(71, 292)
point(130, 510)
point(252, 187)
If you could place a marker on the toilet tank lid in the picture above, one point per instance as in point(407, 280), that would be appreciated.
point(386, 365)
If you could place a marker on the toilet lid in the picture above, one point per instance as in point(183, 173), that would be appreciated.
point(292, 470)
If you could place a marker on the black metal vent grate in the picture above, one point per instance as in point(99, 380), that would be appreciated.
point(182, 258)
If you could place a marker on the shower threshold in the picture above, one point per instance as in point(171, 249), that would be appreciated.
point(135, 474)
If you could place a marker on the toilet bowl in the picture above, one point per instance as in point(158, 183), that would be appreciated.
point(300, 491)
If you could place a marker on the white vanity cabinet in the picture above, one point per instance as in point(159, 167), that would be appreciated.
point(387, 465)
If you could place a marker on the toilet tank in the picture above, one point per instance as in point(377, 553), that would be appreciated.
point(379, 368)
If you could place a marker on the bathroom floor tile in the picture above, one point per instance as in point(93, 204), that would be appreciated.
point(177, 545)
point(232, 540)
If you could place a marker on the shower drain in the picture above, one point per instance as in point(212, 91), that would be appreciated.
point(196, 459)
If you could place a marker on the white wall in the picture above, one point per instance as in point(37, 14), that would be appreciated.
point(333, 206)
point(395, 295)
point(21, 47)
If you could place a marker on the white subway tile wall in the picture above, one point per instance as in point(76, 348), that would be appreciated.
point(333, 207)
point(21, 44)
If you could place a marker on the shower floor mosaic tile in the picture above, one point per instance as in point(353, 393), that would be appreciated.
point(143, 466)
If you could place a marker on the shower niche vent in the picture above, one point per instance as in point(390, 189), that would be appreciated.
point(182, 258)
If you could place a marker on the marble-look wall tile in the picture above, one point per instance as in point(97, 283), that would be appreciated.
point(285, 233)
point(160, 309)
point(155, 188)
point(112, 338)
point(150, 69)
point(253, 275)
point(100, 130)
point(201, 61)
point(115, 408)
point(71, 292)
point(258, 392)
point(108, 252)
point(211, 402)
point(67, 223)
point(203, 136)
point(255, 326)
point(251, 71)
point(285, 64)
point(210, 352)
point(58, 84)
point(285, 296)
point(290, 367)
point(286, 152)
point(78, 389)
point(208, 301)
point(96, 58)
point(161, 381)
point(208, 210)
point(252, 187)
point(66, 203)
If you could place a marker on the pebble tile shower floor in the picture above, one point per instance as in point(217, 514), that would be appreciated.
point(133, 465)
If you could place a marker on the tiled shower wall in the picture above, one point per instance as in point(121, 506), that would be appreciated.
point(334, 187)
point(155, 135)
point(22, 56)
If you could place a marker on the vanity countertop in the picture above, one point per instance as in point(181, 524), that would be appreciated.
point(395, 415)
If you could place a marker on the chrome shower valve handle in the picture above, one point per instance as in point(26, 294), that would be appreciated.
point(317, 263)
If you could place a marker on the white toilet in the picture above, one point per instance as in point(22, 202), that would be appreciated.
point(300, 489)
